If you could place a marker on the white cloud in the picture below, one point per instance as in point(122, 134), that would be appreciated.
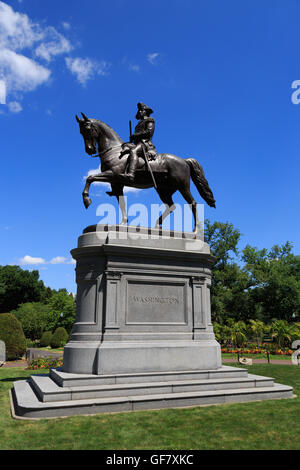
point(134, 67)
point(29, 260)
point(21, 71)
point(66, 25)
point(86, 69)
point(152, 58)
point(55, 45)
point(16, 30)
point(14, 107)
point(58, 260)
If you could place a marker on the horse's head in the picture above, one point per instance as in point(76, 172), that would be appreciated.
point(89, 132)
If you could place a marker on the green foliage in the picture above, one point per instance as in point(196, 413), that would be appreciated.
point(275, 276)
point(59, 338)
point(223, 239)
point(13, 336)
point(35, 318)
point(32, 343)
point(18, 286)
point(258, 329)
point(230, 283)
point(237, 332)
point(46, 339)
point(63, 308)
point(222, 333)
point(265, 287)
point(284, 333)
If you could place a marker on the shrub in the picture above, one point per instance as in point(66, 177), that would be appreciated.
point(59, 338)
point(32, 343)
point(12, 334)
point(46, 339)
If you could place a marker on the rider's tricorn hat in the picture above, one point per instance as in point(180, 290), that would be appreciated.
point(142, 106)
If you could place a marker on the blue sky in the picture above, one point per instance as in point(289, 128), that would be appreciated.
point(217, 74)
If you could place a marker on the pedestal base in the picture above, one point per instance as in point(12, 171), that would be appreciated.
point(115, 357)
point(63, 394)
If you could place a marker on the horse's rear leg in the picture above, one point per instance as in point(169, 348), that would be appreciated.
point(118, 192)
point(186, 193)
point(170, 207)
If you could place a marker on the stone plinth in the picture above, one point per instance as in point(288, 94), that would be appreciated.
point(143, 337)
point(143, 303)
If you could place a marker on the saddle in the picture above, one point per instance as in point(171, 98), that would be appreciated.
point(150, 150)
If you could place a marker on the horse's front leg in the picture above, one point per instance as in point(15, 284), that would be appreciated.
point(104, 177)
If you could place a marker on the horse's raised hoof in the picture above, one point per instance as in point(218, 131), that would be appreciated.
point(124, 222)
point(87, 202)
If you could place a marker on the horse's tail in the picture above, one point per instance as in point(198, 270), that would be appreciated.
point(199, 180)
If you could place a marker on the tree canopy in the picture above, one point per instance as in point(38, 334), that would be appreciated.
point(252, 283)
point(18, 286)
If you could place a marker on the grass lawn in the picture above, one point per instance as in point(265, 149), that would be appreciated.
point(271, 424)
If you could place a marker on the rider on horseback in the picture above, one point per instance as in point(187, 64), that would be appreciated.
point(142, 137)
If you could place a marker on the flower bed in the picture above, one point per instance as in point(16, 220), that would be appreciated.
point(275, 351)
point(45, 363)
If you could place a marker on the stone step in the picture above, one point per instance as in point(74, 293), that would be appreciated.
point(26, 404)
point(65, 379)
point(48, 391)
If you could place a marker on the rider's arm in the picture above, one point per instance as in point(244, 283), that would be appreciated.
point(146, 133)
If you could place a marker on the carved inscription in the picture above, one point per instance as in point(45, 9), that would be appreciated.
point(155, 302)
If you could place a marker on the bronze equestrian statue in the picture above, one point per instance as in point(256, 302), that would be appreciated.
point(137, 164)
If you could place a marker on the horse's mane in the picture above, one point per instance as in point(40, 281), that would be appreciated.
point(107, 129)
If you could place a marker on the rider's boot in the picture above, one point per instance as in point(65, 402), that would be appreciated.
point(133, 163)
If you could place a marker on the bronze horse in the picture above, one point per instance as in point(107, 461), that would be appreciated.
point(171, 173)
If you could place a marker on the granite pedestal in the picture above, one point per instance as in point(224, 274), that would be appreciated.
point(143, 336)
point(143, 304)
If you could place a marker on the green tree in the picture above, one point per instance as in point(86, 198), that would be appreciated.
point(222, 333)
point(230, 283)
point(237, 332)
point(223, 240)
point(35, 318)
point(258, 329)
point(284, 333)
point(63, 308)
point(18, 286)
point(275, 276)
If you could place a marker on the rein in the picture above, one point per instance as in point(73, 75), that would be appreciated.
point(104, 152)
